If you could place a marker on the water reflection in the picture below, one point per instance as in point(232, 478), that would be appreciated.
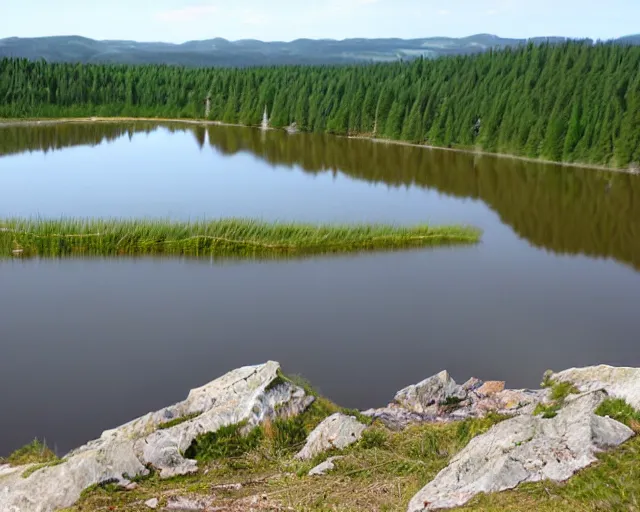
point(565, 210)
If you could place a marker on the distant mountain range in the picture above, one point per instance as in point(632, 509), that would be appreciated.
point(249, 52)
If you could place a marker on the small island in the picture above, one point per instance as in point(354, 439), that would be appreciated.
point(239, 238)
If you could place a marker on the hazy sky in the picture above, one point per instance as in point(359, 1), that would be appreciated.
point(182, 20)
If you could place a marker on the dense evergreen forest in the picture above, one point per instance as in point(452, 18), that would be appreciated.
point(573, 102)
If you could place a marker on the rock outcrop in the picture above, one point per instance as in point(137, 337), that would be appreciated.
point(426, 396)
point(618, 382)
point(336, 432)
point(440, 399)
point(247, 395)
point(525, 448)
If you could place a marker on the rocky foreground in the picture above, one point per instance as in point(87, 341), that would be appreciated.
point(547, 434)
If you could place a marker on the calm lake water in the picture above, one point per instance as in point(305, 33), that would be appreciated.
point(87, 344)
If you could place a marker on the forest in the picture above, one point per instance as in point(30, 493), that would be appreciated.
point(569, 102)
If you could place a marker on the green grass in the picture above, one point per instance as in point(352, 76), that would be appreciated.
point(222, 238)
point(558, 395)
point(619, 410)
point(561, 390)
point(36, 452)
point(227, 442)
point(381, 472)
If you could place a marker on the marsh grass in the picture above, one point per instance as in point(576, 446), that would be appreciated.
point(222, 238)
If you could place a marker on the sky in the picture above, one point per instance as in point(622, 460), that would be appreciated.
point(284, 20)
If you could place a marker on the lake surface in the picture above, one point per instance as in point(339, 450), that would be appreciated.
point(87, 344)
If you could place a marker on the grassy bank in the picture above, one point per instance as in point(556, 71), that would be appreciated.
point(222, 238)
point(256, 470)
point(382, 472)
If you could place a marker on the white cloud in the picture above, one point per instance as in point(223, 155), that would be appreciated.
point(444, 12)
point(190, 13)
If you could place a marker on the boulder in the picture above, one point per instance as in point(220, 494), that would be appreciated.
point(491, 387)
point(424, 397)
point(439, 399)
point(618, 382)
point(152, 503)
point(250, 394)
point(472, 384)
point(336, 432)
point(525, 448)
point(508, 402)
point(323, 468)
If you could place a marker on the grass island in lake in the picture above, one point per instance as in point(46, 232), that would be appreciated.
point(226, 237)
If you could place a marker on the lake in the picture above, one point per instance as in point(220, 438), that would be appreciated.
point(88, 344)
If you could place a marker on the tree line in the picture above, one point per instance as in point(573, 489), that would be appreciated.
point(571, 102)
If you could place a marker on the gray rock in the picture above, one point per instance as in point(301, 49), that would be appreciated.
point(152, 503)
point(509, 402)
point(617, 382)
point(424, 397)
point(525, 448)
point(472, 384)
point(398, 418)
point(185, 504)
point(323, 468)
point(242, 395)
point(470, 401)
point(336, 432)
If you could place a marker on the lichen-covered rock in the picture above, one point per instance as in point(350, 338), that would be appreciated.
point(617, 382)
point(525, 448)
point(397, 418)
point(439, 399)
point(491, 387)
point(336, 432)
point(324, 467)
point(249, 394)
point(188, 504)
point(424, 397)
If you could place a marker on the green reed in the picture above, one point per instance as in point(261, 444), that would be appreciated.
point(21, 237)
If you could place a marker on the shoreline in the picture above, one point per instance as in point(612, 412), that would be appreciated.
point(262, 436)
point(203, 122)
